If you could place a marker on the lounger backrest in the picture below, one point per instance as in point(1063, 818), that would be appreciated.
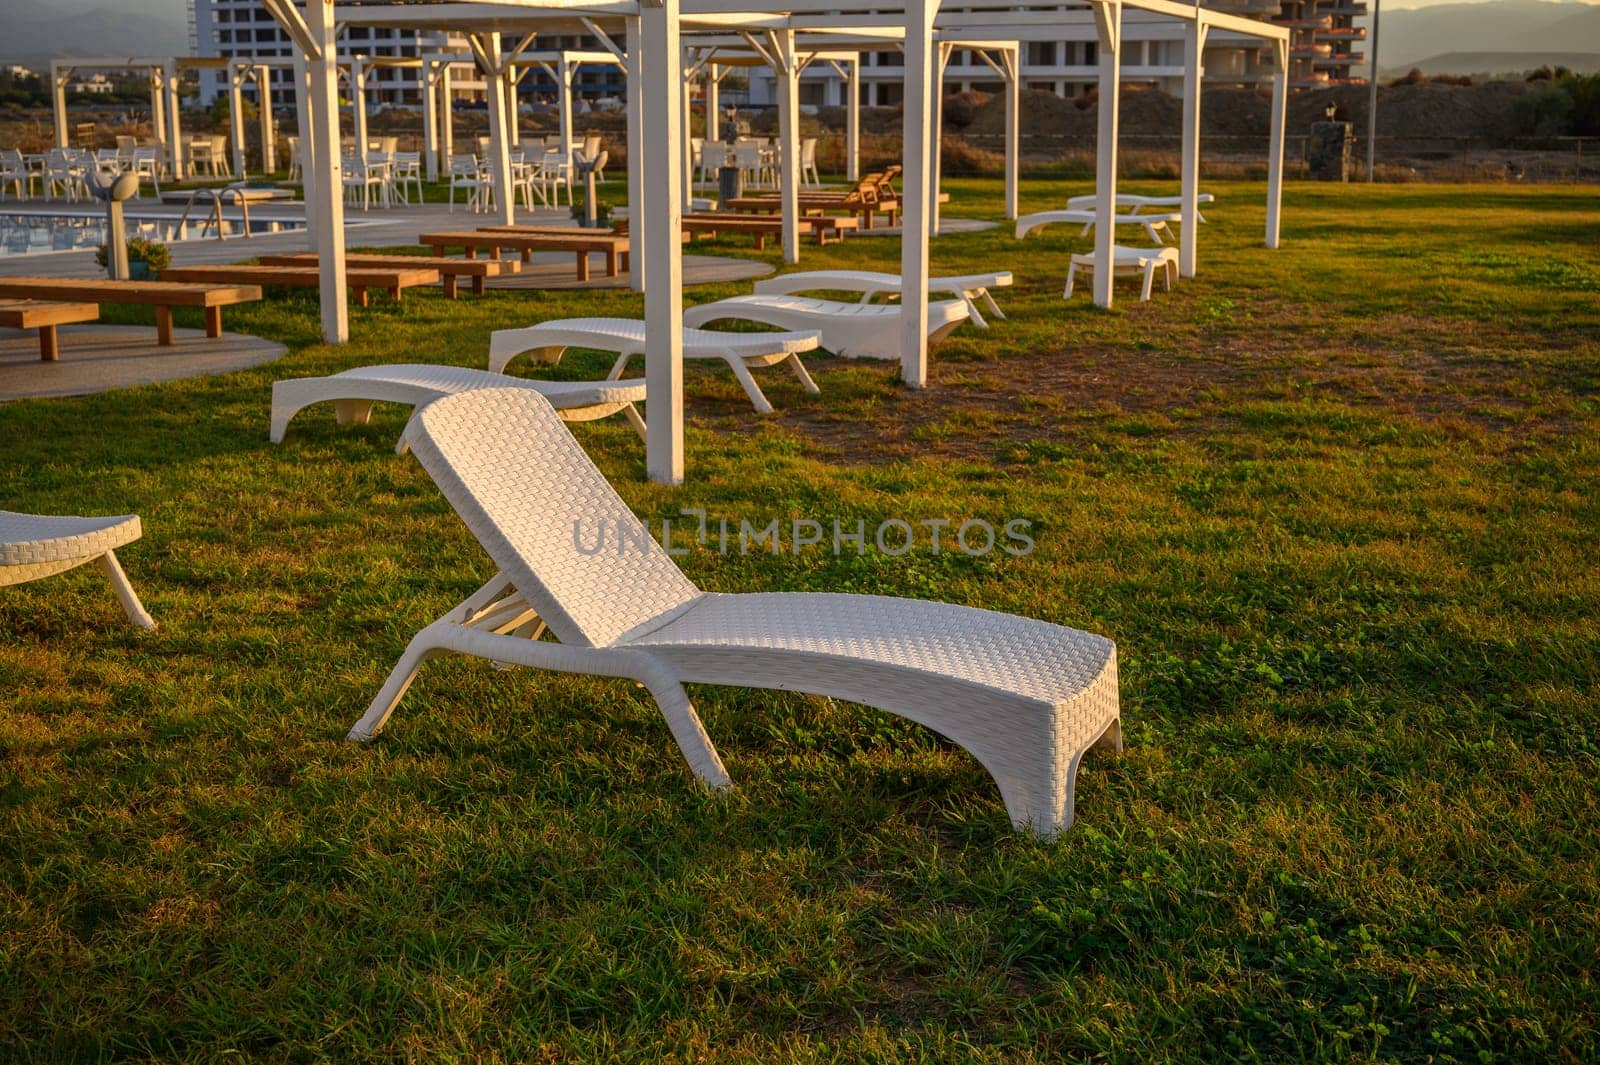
point(537, 504)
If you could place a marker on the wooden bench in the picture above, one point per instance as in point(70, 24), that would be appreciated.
point(451, 269)
point(820, 204)
point(45, 316)
point(163, 295)
point(613, 246)
point(391, 279)
point(762, 227)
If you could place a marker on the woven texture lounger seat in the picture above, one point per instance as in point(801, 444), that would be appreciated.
point(355, 391)
point(1141, 262)
point(968, 288)
point(741, 351)
point(38, 545)
point(1028, 699)
point(853, 330)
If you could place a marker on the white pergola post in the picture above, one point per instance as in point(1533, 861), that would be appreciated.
point(1194, 43)
point(656, 99)
point(1108, 23)
point(59, 76)
point(852, 122)
point(942, 54)
point(564, 78)
point(158, 106)
point(1011, 60)
point(713, 104)
point(638, 210)
point(269, 125)
point(686, 150)
point(358, 106)
point(430, 119)
point(236, 76)
point(513, 126)
point(788, 89)
point(325, 217)
point(447, 118)
point(169, 75)
point(487, 46)
point(308, 144)
point(1280, 114)
point(921, 61)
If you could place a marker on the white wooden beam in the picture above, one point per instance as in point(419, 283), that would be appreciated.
point(236, 76)
point(158, 105)
point(430, 119)
point(921, 60)
point(713, 104)
point(564, 79)
point(59, 76)
point(1108, 20)
point(269, 122)
point(662, 115)
point(788, 87)
point(638, 208)
point(941, 52)
point(327, 222)
point(308, 144)
point(169, 77)
point(494, 80)
point(1011, 61)
point(1194, 44)
point(852, 122)
point(358, 105)
point(1280, 108)
point(447, 117)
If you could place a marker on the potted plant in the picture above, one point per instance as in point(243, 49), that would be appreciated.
point(602, 214)
point(146, 258)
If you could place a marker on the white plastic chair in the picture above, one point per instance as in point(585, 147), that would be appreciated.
point(1027, 698)
point(15, 173)
point(852, 330)
point(808, 163)
point(466, 174)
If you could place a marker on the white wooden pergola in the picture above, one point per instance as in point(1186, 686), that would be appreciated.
point(164, 74)
point(655, 33)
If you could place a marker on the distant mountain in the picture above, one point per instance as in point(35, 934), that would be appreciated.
point(43, 31)
point(1511, 63)
point(1408, 37)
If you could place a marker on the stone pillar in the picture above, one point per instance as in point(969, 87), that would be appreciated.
point(1328, 151)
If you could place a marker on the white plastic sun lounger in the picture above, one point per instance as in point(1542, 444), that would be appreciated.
point(36, 545)
point(353, 393)
point(870, 283)
point(1026, 698)
point(853, 330)
point(1141, 203)
point(625, 336)
point(1131, 261)
point(1154, 224)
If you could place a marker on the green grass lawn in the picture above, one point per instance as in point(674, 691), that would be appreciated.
point(1337, 505)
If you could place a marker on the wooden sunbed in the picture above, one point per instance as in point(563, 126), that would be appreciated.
point(764, 226)
point(614, 246)
point(44, 316)
point(163, 295)
point(391, 279)
point(452, 269)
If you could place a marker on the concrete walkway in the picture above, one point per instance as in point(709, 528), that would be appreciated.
point(97, 358)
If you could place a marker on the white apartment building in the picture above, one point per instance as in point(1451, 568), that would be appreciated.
point(239, 29)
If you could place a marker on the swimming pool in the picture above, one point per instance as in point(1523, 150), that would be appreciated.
point(39, 232)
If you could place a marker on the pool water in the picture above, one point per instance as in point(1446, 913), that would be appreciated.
point(34, 233)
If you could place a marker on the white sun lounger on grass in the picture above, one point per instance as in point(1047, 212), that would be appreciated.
point(353, 393)
point(1025, 697)
point(1139, 203)
point(1130, 261)
point(625, 336)
point(1154, 224)
point(853, 330)
point(870, 283)
point(37, 545)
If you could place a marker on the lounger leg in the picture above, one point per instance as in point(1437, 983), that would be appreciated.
point(972, 312)
point(125, 594)
point(1072, 273)
point(631, 412)
point(751, 389)
point(1149, 281)
point(394, 689)
point(352, 411)
point(805, 378)
point(988, 301)
point(686, 728)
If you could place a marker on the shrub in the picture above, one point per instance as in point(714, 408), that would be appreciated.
point(151, 252)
